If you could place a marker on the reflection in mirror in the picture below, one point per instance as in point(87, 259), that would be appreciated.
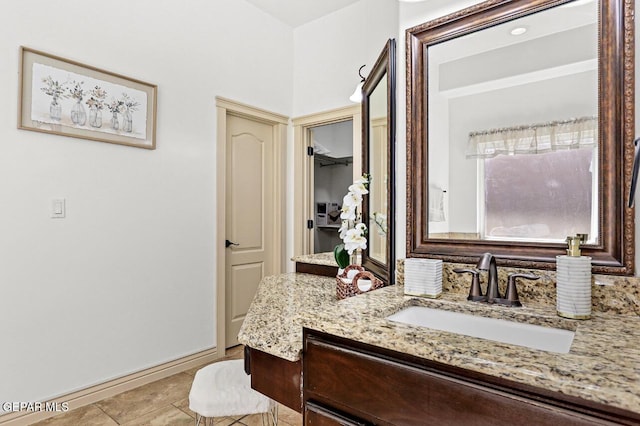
point(378, 140)
point(378, 147)
point(520, 130)
point(508, 142)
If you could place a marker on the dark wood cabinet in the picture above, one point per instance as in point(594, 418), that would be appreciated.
point(318, 416)
point(351, 383)
point(311, 268)
point(346, 382)
point(275, 377)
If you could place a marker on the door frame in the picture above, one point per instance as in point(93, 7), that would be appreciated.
point(303, 168)
point(279, 124)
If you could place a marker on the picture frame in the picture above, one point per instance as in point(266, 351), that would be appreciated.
point(68, 98)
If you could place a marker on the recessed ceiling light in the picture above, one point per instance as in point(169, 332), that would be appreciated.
point(518, 31)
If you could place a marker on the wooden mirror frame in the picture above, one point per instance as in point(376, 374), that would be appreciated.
point(614, 252)
point(385, 64)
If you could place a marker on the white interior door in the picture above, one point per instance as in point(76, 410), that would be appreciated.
point(249, 211)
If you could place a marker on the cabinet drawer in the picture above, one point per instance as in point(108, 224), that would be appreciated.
point(385, 391)
point(315, 415)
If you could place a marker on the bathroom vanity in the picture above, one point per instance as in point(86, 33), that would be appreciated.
point(344, 362)
point(358, 384)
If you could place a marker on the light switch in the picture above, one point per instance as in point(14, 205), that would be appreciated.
point(58, 208)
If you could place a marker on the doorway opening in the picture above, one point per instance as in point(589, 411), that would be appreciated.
point(332, 175)
point(305, 199)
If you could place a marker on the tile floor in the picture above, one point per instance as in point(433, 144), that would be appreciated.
point(161, 403)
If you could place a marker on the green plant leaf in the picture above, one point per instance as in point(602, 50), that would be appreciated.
point(341, 256)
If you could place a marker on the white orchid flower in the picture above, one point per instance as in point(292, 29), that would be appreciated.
point(364, 179)
point(380, 220)
point(358, 188)
point(352, 199)
point(353, 235)
point(354, 240)
point(343, 229)
point(348, 212)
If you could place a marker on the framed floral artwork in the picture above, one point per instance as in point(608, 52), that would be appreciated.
point(68, 98)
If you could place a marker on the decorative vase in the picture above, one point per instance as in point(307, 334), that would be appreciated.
point(115, 124)
point(95, 117)
point(127, 121)
point(78, 114)
point(356, 257)
point(55, 110)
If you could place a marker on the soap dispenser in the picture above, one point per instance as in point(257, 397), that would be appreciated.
point(573, 276)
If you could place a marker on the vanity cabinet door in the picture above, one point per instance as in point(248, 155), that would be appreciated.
point(385, 391)
point(275, 377)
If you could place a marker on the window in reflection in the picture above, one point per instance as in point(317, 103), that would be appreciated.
point(541, 197)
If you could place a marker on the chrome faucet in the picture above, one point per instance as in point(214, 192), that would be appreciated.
point(487, 262)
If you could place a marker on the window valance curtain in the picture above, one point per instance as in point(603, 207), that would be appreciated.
point(534, 138)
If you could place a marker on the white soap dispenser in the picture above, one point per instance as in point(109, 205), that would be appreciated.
point(573, 276)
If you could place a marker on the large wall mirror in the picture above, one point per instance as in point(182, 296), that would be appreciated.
point(520, 133)
point(378, 159)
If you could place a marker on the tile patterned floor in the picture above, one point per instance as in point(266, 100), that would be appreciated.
point(161, 403)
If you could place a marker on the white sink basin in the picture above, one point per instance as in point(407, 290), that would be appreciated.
point(515, 333)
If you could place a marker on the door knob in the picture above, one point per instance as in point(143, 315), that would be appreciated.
point(228, 243)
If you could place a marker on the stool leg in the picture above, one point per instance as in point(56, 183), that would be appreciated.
point(236, 421)
point(206, 421)
point(271, 415)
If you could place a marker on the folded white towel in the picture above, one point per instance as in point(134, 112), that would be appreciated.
point(436, 204)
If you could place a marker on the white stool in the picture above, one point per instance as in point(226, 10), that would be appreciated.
point(223, 389)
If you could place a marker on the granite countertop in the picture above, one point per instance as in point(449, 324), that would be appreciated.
point(326, 259)
point(603, 364)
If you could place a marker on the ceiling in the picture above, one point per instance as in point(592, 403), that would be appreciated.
point(298, 12)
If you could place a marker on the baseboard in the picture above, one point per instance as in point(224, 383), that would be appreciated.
point(113, 387)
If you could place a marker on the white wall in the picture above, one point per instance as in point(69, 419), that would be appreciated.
point(439, 167)
point(126, 281)
point(329, 51)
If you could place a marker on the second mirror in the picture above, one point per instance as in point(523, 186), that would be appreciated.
point(378, 159)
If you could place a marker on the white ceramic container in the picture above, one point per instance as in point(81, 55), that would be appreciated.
point(573, 287)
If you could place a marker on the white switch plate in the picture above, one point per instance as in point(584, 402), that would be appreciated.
point(58, 208)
